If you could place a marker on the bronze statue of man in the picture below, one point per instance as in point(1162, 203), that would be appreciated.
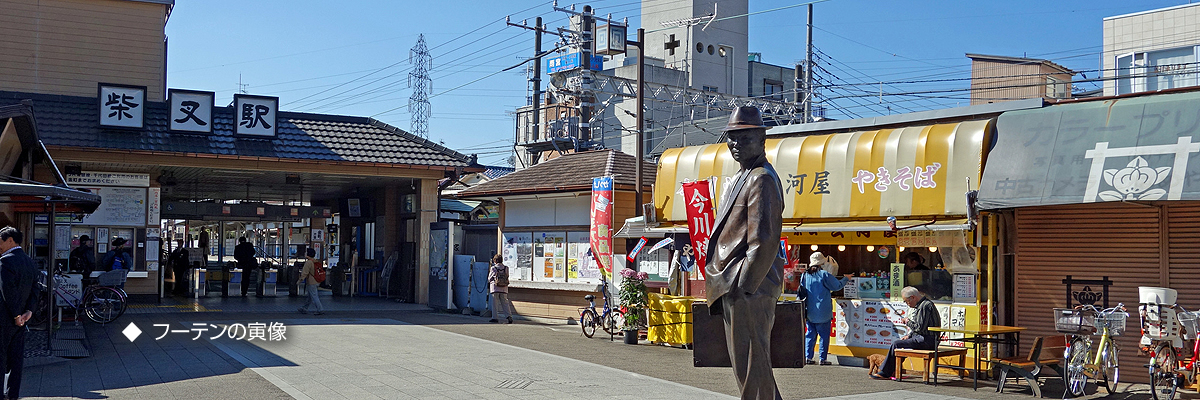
point(744, 272)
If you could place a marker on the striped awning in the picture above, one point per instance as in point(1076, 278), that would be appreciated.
point(917, 171)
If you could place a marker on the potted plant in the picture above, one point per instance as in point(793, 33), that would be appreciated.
point(633, 302)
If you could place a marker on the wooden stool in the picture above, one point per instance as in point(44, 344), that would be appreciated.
point(929, 357)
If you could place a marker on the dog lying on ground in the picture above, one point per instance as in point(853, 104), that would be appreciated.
point(875, 362)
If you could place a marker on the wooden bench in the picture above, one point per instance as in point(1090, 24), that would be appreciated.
point(929, 357)
point(1047, 351)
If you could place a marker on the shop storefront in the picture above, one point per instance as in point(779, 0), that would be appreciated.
point(545, 217)
point(840, 190)
point(1104, 197)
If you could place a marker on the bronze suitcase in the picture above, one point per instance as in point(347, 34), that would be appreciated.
point(787, 337)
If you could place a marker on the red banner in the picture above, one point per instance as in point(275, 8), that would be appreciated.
point(700, 219)
point(601, 232)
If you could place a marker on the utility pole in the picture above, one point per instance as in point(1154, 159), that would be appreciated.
point(808, 70)
point(641, 118)
point(585, 100)
point(538, 29)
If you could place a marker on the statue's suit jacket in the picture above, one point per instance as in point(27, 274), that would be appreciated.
point(744, 252)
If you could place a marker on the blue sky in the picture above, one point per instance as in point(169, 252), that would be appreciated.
point(352, 57)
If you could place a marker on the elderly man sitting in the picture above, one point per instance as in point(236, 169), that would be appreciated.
point(922, 316)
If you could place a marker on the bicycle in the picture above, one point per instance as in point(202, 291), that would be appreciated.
point(102, 302)
point(1084, 361)
point(1161, 337)
point(609, 320)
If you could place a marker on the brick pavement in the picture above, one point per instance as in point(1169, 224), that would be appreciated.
point(382, 349)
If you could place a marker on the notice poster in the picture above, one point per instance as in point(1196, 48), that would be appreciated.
point(518, 255)
point(964, 287)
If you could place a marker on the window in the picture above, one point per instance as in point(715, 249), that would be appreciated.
point(707, 88)
point(773, 89)
point(1056, 88)
point(1157, 70)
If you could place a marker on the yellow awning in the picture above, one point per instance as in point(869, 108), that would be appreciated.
point(918, 171)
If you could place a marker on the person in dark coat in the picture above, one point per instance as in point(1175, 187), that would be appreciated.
point(179, 267)
point(243, 253)
point(83, 258)
point(744, 271)
point(18, 275)
point(922, 315)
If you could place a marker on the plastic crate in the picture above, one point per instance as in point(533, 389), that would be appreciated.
point(1114, 321)
point(1076, 322)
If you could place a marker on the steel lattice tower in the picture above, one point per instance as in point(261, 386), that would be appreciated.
point(421, 84)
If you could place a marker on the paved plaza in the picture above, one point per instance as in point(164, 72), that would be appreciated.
point(366, 348)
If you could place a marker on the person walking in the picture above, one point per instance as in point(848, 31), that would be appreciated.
point(498, 280)
point(18, 275)
point(310, 283)
point(818, 284)
point(243, 253)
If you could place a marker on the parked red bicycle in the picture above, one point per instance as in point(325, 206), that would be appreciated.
point(1165, 341)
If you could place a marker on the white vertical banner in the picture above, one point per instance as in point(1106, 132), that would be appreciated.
point(154, 206)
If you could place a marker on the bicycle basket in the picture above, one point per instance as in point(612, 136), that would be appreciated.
point(1076, 322)
point(1114, 321)
point(113, 278)
point(1190, 322)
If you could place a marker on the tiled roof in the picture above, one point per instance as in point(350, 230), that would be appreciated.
point(570, 172)
point(72, 121)
point(493, 172)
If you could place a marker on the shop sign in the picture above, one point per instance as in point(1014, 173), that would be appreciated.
point(71, 285)
point(572, 61)
point(1137, 180)
point(191, 111)
point(700, 218)
point(255, 115)
point(89, 178)
point(601, 223)
point(897, 277)
point(920, 178)
point(122, 106)
point(610, 39)
point(927, 238)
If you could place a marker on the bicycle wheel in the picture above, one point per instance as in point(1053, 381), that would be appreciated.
point(103, 305)
point(588, 321)
point(1163, 382)
point(1077, 355)
point(1108, 367)
point(610, 323)
point(124, 302)
point(41, 311)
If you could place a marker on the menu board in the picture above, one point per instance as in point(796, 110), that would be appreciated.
point(876, 324)
point(868, 287)
point(867, 323)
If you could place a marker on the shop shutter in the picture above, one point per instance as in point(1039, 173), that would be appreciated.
point(1183, 233)
point(1087, 241)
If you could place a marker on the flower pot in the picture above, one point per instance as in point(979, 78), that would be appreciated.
point(631, 337)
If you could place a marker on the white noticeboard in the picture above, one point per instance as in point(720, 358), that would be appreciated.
point(72, 285)
point(121, 206)
point(964, 287)
point(318, 235)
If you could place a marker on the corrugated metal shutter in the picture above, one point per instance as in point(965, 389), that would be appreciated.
point(1183, 232)
point(1086, 241)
